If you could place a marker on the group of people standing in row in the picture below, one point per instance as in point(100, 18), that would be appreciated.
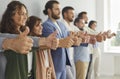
point(54, 49)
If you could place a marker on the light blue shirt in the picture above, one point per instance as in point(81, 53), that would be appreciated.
point(82, 53)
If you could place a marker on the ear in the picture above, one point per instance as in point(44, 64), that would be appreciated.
point(65, 14)
point(49, 11)
point(76, 24)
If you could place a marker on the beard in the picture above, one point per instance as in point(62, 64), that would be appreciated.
point(86, 22)
point(57, 16)
point(70, 20)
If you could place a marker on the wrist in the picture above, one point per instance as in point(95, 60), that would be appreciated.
point(7, 44)
point(43, 41)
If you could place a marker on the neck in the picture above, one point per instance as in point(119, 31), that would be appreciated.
point(53, 20)
point(81, 29)
point(67, 21)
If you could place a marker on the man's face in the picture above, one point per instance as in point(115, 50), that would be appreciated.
point(93, 26)
point(55, 11)
point(70, 15)
point(85, 18)
point(81, 23)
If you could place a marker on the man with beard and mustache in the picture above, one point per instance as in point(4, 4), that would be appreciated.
point(68, 16)
point(83, 15)
point(60, 56)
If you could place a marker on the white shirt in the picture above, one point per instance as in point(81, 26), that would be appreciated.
point(46, 58)
point(90, 31)
point(29, 58)
point(73, 28)
point(58, 27)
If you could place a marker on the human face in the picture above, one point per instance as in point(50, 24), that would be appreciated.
point(37, 29)
point(70, 15)
point(85, 18)
point(81, 23)
point(20, 17)
point(55, 12)
point(93, 26)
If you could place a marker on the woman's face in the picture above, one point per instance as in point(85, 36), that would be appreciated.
point(20, 17)
point(38, 28)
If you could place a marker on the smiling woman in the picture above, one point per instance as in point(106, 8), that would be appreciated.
point(14, 18)
point(44, 63)
point(13, 22)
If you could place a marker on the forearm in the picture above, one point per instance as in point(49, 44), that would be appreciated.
point(6, 35)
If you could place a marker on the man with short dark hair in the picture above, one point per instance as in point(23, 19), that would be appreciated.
point(60, 56)
point(84, 16)
point(68, 16)
point(66, 39)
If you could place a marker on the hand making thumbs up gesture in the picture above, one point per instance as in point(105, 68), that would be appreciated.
point(22, 43)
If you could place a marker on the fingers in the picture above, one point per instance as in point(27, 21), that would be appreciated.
point(68, 42)
point(100, 33)
point(113, 34)
point(109, 31)
point(77, 41)
point(55, 44)
point(71, 34)
point(29, 40)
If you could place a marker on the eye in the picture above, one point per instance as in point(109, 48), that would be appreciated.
point(22, 14)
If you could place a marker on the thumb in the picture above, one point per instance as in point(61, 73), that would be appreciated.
point(53, 34)
point(25, 32)
point(71, 34)
point(85, 33)
point(100, 33)
point(109, 31)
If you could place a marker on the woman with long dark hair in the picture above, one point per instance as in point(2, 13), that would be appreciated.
point(44, 63)
point(19, 66)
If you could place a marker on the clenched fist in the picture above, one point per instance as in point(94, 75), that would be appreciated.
point(22, 43)
point(66, 42)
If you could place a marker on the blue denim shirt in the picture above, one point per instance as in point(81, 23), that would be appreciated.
point(82, 53)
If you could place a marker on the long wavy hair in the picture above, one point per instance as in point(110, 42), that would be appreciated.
point(7, 24)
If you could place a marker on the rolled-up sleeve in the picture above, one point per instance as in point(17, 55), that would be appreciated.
point(3, 36)
point(35, 41)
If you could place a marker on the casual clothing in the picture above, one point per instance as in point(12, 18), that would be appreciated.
point(2, 66)
point(17, 65)
point(81, 58)
point(4, 60)
point(71, 72)
point(7, 35)
point(44, 67)
point(81, 69)
point(95, 51)
point(82, 53)
point(60, 56)
point(94, 67)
